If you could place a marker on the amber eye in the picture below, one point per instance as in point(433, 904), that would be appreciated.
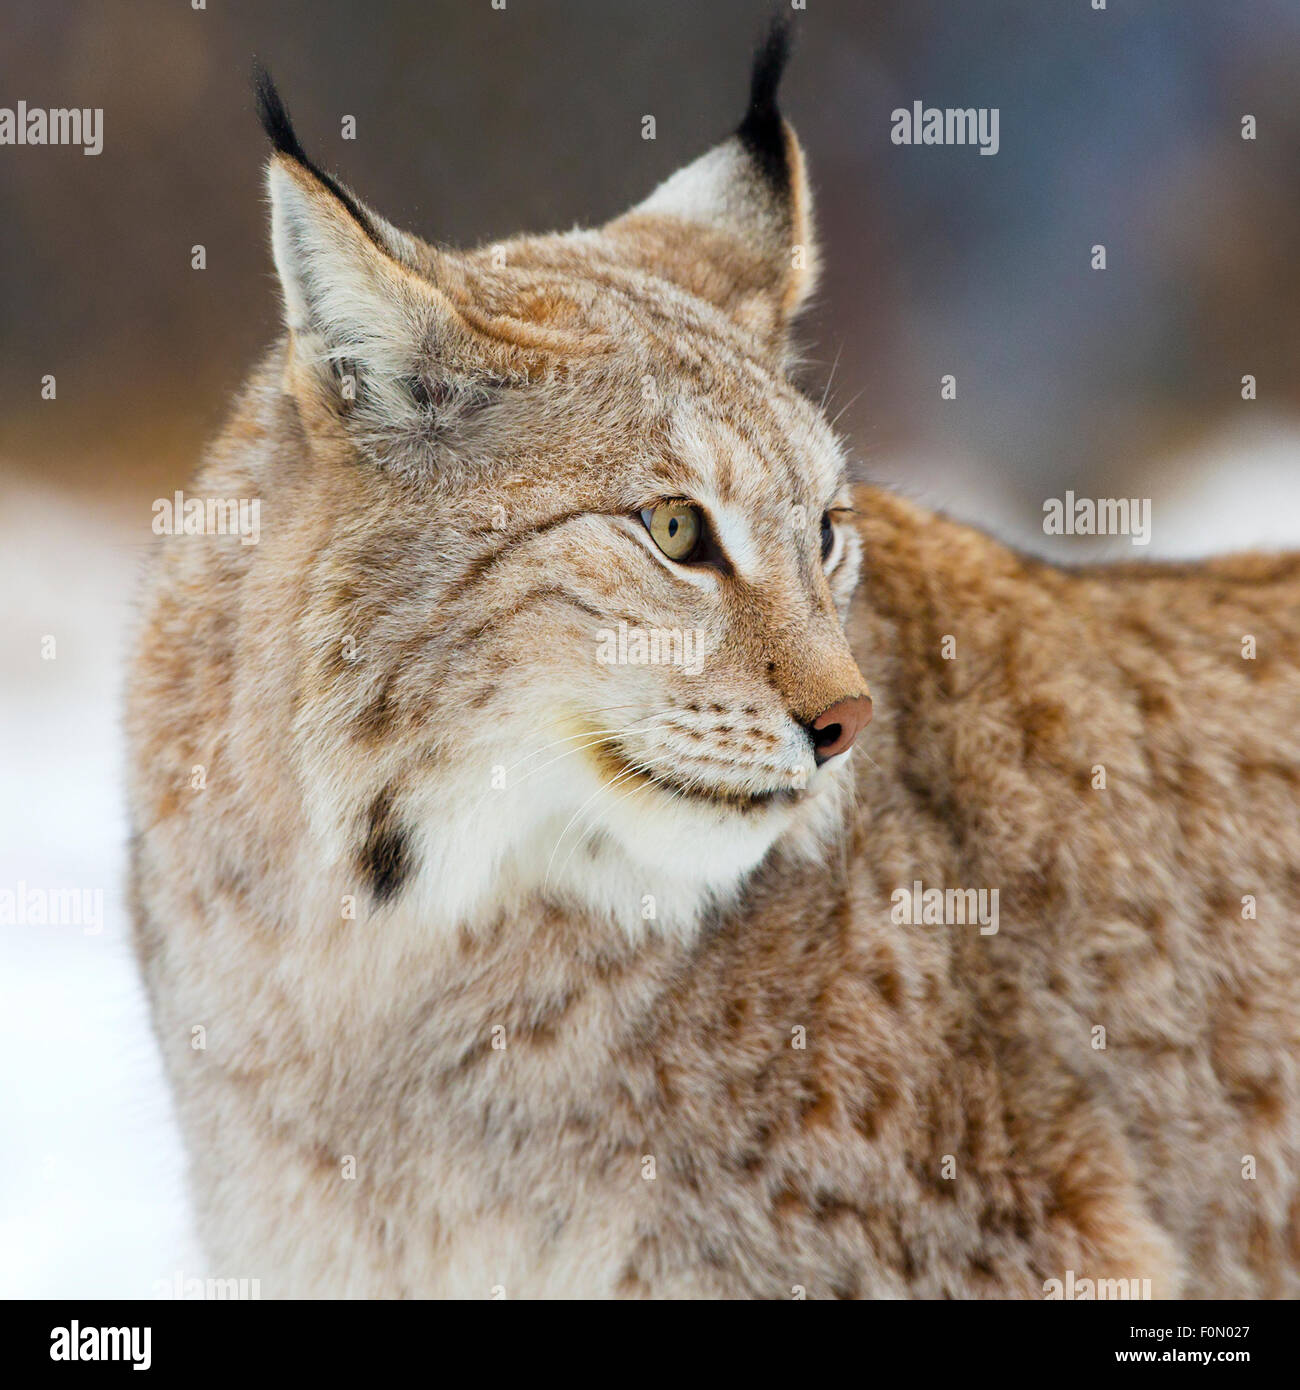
point(676, 528)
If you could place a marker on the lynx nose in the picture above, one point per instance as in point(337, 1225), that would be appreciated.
point(834, 729)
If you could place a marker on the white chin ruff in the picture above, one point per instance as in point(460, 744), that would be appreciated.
point(645, 859)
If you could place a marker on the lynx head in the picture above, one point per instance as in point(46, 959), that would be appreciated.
point(577, 556)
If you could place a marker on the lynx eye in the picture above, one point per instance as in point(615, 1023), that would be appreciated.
point(828, 537)
point(676, 528)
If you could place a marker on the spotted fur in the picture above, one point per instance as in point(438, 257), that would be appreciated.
point(522, 973)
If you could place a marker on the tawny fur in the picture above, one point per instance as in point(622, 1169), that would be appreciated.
point(441, 1058)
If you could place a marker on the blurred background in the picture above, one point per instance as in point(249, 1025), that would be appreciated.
point(1120, 127)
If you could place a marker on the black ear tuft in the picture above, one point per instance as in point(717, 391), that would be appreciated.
point(274, 116)
point(762, 131)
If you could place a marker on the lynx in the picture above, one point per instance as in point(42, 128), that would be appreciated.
point(482, 966)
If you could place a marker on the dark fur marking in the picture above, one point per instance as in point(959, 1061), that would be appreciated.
point(537, 595)
point(482, 565)
point(762, 132)
point(385, 858)
point(274, 116)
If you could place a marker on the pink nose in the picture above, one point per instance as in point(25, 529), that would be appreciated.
point(834, 729)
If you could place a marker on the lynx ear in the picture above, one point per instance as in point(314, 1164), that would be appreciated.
point(735, 226)
point(347, 275)
point(369, 311)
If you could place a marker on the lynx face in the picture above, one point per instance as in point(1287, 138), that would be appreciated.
point(574, 550)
